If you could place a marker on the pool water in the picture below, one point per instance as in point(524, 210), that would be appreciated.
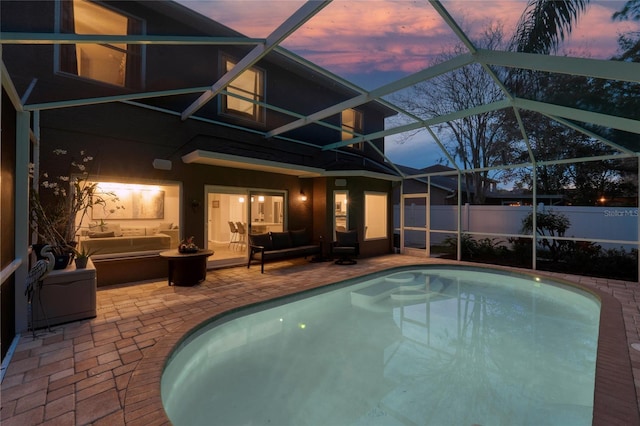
point(422, 345)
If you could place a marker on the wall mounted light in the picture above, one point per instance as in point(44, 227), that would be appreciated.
point(303, 197)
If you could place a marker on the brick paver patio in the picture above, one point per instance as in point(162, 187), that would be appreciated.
point(106, 371)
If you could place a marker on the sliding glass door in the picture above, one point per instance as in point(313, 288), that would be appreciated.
point(233, 213)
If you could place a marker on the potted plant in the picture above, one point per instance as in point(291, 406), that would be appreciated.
point(59, 209)
point(188, 246)
point(82, 257)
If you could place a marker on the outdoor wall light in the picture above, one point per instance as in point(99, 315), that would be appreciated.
point(303, 197)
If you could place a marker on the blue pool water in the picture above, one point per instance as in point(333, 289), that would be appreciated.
point(423, 345)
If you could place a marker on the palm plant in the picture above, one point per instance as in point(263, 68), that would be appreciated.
point(545, 23)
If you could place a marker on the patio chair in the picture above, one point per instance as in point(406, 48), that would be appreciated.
point(234, 233)
point(242, 233)
point(345, 247)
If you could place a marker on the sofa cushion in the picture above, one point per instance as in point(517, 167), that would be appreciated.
point(263, 240)
point(101, 234)
point(112, 227)
point(133, 232)
point(280, 240)
point(299, 237)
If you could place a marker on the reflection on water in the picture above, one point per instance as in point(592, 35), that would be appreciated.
point(427, 346)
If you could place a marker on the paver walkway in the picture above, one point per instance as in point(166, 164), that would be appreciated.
point(104, 371)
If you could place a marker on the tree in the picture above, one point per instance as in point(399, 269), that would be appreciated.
point(477, 141)
point(544, 23)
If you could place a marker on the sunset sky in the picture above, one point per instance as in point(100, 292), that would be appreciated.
point(374, 42)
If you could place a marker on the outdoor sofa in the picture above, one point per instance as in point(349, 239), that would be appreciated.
point(280, 245)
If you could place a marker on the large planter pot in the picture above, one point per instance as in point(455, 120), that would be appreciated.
point(63, 260)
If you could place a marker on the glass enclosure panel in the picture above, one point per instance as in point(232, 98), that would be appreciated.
point(415, 222)
point(415, 239)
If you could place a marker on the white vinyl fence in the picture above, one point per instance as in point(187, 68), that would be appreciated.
point(607, 226)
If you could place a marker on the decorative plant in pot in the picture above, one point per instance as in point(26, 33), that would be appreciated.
point(188, 246)
point(59, 208)
point(82, 257)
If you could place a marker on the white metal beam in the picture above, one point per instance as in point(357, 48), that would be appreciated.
point(400, 84)
point(302, 15)
point(7, 84)
point(425, 123)
point(597, 68)
point(620, 123)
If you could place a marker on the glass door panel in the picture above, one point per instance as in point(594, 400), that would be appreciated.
point(266, 211)
point(340, 215)
point(225, 209)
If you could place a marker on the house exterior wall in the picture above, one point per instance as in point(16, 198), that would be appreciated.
point(125, 138)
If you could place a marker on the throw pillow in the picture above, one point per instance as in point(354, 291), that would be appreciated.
point(261, 240)
point(299, 238)
point(113, 227)
point(165, 225)
point(101, 234)
point(280, 240)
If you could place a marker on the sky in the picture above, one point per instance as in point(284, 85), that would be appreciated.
point(374, 42)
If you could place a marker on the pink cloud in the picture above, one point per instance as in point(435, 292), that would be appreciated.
point(364, 36)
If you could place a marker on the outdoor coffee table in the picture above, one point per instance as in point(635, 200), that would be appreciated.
point(186, 269)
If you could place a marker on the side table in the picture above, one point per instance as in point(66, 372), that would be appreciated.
point(186, 269)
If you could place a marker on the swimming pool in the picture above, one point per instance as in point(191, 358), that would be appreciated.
point(428, 345)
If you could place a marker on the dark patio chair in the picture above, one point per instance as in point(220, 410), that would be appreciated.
point(345, 247)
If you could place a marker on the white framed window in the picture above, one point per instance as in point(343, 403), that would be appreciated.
point(118, 64)
point(351, 122)
point(340, 211)
point(249, 86)
point(375, 215)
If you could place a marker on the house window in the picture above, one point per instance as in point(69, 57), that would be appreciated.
point(375, 215)
point(352, 123)
point(340, 218)
point(136, 218)
point(250, 87)
point(113, 63)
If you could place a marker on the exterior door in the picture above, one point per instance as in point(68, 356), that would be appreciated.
point(415, 224)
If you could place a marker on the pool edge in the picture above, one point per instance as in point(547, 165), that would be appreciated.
point(615, 400)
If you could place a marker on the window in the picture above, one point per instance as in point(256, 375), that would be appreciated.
point(250, 86)
point(352, 123)
point(340, 217)
point(375, 215)
point(114, 63)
